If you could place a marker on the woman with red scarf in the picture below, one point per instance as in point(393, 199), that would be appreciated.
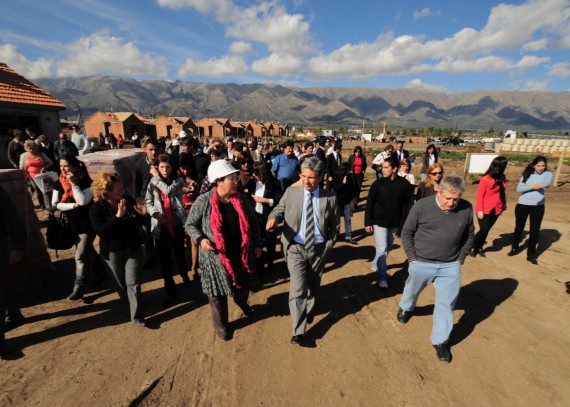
point(164, 205)
point(224, 225)
point(72, 194)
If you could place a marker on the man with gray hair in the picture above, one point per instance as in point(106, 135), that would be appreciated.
point(437, 236)
point(312, 219)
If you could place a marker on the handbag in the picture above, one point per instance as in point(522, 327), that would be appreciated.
point(59, 234)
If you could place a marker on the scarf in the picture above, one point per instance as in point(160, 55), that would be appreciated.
point(216, 225)
point(68, 196)
point(168, 214)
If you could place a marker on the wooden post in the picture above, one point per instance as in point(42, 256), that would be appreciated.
point(559, 168)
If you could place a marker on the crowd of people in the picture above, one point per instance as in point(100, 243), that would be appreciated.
point(226, 201)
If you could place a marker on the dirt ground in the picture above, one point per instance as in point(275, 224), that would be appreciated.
point(510, 343)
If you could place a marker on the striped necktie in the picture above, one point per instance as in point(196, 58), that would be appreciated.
point(310, 226)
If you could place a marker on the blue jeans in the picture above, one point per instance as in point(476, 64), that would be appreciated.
point(384, 238)
point(446, 278)
point(347, 225)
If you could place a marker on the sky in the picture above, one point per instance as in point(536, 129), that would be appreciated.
point(438, 45)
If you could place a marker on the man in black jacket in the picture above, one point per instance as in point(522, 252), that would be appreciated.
point(388, 204)
point(399, 153)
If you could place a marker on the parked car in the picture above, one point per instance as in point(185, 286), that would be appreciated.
point(472, 140)
point(452, 141)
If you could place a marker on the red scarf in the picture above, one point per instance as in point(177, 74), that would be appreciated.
point(168, 214)
point(216, 225)
point(68, 196)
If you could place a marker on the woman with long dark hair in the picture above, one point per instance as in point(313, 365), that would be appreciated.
point(491, 202)
point(73, 195)
point(262, 188)
point(357, 165)
point(532, 185)
point(164, 205)
point(429, 158)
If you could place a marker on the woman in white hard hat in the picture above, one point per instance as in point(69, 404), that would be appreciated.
point(223, 224)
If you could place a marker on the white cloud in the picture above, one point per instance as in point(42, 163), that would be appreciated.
point(468, 50)
point(532, 84)
point(534, 46)
point(418, 84)
point(241, 48)
point(560, 69)
point(267, 23)
point(40, 68)
point(214, 67)
point(422, 14)
point(277, 64)
point(100, 53)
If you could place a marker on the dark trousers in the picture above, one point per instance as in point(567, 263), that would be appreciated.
point(522, 213)
point(359, 181)
point(219, 304)
point(485, 226)
point(163, 247)
point(269, 242)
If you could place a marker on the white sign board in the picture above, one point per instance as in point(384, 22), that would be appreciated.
point(367, 137)
point(478, 163)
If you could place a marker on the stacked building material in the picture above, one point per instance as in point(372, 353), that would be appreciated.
point(120, 161)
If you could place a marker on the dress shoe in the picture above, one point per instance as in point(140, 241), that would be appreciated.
point(168, 302)
point(223, 334)
point(473, 252)
point(443, 353)
point(186, 281)
point(75, 296)
point(513, 252)
point(297, 339)
point(404, 316)
point(482, 253)
point(532, 259)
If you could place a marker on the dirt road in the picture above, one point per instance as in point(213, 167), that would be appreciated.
point(511, 340)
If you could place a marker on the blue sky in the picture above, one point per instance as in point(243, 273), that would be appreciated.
point(448, 46)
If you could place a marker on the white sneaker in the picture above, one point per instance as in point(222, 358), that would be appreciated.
point(383, 284)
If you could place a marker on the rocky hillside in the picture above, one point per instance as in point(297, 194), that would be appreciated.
point(547, 111)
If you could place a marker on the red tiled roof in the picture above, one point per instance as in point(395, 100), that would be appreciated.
point(14, 88)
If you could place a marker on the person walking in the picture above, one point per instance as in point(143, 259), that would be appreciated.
point(532, 187)
point(164, 205)
point(491, 202)
point(73, 195)
point(117, 220)
point(437, 236)
point(224, 225)
point(387, 206)
point(429, 158)
point(311, 215)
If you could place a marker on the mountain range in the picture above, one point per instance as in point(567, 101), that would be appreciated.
point(326, 106)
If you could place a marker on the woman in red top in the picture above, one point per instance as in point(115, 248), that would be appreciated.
point(34, 163)
point(357, 164)
point(491, 202)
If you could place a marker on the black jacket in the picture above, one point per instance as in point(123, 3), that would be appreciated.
point(116, 234)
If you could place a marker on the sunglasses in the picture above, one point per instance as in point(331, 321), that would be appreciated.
point(436, 173)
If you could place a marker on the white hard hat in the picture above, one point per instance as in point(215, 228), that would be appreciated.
point(182, 134)
point(219, 169)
